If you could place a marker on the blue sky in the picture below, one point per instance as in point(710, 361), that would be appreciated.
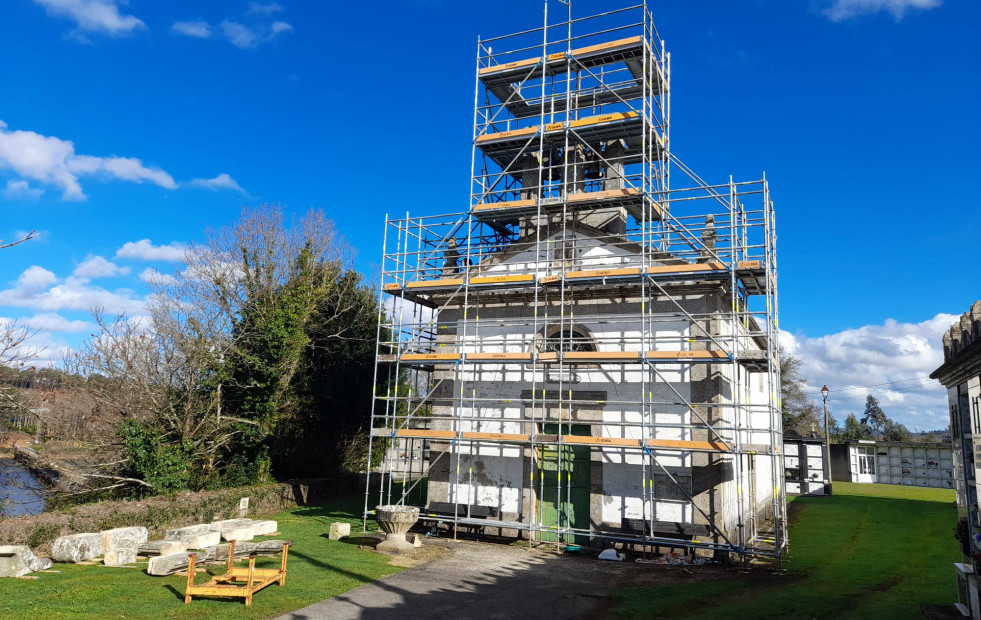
point(130, 127)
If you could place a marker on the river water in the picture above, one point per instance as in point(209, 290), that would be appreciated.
point(20, 492)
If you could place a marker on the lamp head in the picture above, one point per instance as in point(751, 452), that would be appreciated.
point(824, 391)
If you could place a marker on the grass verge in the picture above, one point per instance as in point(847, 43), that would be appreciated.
point(318, 569)
point(869, 551)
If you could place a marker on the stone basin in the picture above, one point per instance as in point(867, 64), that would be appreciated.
point(395, 521)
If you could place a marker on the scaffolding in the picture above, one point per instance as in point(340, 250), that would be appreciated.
point(586, 353)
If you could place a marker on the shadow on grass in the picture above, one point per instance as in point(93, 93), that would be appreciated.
point(361, 541)
point(482, 581)
point(176, 592)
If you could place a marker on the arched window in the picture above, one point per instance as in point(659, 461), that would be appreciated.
point(567, 340)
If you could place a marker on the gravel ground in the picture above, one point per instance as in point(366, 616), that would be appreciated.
point(480, 580)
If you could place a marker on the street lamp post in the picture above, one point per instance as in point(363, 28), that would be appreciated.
point(827, 446)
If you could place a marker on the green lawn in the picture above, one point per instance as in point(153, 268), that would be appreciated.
point(870, 551)
point(318, 568)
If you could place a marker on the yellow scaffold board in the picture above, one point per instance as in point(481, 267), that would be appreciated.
point(505, 135)
point(686, 355)
point(577, 124)
point(603, 273)
point(607, 194)
point(445, 283)
point(507, 279)
point(600, 356)
point(615, 442)
point(430, 357)
point(523, 357)
point(507, 204)
point(582, 51)
point(571, 357)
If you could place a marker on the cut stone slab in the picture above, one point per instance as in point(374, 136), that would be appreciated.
point(163, 565)
point(17, 560)
point(264, 528)
point(243, 550)
point(238, 533)
point(339, 530)
point(111, 538)
point(162, 547)
point(196, 536)
point(120, 556)
point(229, 524)
point(77, 547)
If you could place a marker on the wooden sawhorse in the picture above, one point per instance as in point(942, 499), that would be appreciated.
point(236, 582)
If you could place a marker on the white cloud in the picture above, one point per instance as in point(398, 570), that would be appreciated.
point(124, 168)
point(239, 35)
point(94, 15)
point(53, 161)
point(54, 322)
point(145, 250)
point(222, 181)
point(36, 278)
point(98, 267)
point(891, 362)
point(21, 190)
point(152, 276)
point(193, 29)
point(841, 10)
point(247, 37)
point(38, 288)
point(258, 8)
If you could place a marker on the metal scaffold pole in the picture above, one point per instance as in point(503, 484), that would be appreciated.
point(567, 356)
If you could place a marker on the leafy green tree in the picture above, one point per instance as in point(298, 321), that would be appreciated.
point(894, 431)
point(854, 429)
point(236, 355)
point(798, 411)
point(874, 418)
point(834, 430)
point(323, 431)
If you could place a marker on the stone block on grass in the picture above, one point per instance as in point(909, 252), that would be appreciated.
point(111, 538)
point(339, 530)
point(229, 524)
point(264, 528)
point(238, 533)
point(77, 547)
point(121, 555)
point(162, 547)
point(163, 565)
point(196, 536)
point(17, 560)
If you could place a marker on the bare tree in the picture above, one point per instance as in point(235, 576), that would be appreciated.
point(170, 369)
point(26, 237)
point(16, 353)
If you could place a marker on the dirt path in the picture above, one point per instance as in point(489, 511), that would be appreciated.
point(482, 580)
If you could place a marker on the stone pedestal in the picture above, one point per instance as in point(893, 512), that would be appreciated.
point(395, 521)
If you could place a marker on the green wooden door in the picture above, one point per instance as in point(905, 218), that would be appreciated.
point(563, 484)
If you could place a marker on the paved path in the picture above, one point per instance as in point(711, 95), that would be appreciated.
point(481, 581)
